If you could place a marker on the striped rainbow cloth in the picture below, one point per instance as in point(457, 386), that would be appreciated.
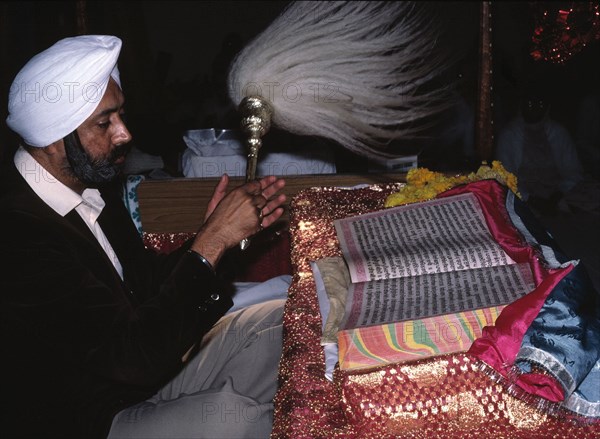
point(412, 339)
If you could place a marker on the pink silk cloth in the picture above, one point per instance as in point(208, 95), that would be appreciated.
point(499, 344)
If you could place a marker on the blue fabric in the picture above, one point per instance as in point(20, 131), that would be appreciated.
point(250, 293)
point(564, 338)
point(130, 198)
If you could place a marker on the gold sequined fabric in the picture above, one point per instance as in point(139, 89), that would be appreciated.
point(452, 396)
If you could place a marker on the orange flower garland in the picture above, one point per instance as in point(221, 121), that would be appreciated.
point(423, 184)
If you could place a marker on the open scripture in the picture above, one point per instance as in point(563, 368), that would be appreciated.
point(425, 259)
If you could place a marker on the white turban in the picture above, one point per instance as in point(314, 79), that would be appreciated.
point(59, 88)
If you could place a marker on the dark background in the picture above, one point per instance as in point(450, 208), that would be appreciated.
point(175, 56)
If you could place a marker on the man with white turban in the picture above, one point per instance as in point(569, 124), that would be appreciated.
point(102, 337)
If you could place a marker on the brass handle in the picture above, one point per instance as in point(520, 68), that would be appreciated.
point(256, 115)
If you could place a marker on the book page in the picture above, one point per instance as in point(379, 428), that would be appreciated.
point(393, 300)
point(439, 235)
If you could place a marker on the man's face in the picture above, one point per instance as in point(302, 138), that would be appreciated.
point(104, 138)
point(534, 109)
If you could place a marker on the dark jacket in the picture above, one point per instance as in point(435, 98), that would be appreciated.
point(79, 344)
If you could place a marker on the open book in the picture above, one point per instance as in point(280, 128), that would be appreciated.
point(431, 262)
point(425, 259)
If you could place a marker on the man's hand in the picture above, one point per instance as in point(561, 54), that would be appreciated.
point(272, 211)
point(218, 194)
point(236, 215)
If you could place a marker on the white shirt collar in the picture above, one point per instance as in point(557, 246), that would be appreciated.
point(55, 194)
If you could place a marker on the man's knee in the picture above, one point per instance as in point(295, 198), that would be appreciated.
point(231, 415)
point(259, 323)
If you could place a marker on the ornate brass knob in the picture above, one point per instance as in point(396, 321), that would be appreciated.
point(256, 113)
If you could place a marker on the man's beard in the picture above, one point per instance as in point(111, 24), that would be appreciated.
point(92, 172)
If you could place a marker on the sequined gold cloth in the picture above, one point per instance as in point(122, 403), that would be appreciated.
point(451, 396)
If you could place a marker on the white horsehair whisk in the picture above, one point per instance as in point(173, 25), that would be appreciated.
point(359, 73)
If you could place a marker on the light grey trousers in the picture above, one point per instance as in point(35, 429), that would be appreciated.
point(225, 391)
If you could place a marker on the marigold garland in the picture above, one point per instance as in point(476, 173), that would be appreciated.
point(423, 184)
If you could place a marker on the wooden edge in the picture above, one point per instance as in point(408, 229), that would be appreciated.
point(179, 204)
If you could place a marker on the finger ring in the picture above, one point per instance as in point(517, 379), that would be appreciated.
point(260, 213)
